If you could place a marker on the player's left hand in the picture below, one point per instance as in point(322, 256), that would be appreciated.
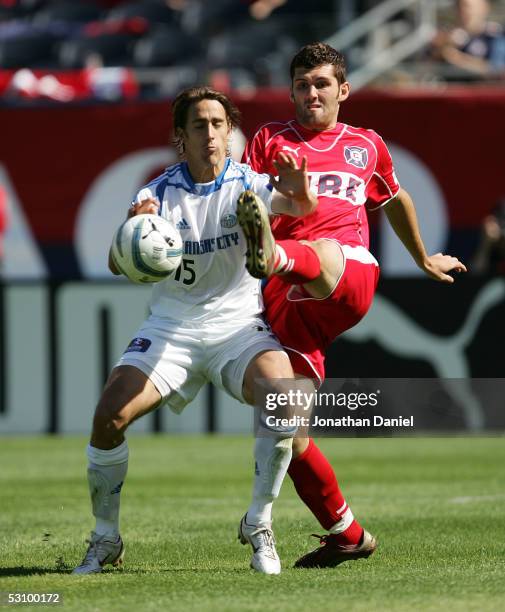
point(293, 180)
point(147, 206)
point(439, 265)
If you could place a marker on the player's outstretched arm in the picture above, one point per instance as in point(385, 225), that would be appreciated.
point(401, 214)
point(149, 206)
point(293, 195)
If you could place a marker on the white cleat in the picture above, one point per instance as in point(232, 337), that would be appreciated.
point(265, 558)
point(102, 550)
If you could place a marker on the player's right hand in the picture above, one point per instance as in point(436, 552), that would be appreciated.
point(149, 206)
point(293, 183)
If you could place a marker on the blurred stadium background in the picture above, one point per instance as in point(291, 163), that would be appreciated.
point(85, 90)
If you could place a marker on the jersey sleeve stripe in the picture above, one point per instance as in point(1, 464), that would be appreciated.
point(286, 129)
point(393, 195)
point(160, 191)
point(260, 129)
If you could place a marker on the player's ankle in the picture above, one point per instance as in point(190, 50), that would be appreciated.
point(351, 536)
point(106, 527)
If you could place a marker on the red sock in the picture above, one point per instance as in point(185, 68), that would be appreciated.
point(316, 484)
point(297, 263)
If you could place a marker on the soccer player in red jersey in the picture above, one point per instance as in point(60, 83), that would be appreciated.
point(321, 275)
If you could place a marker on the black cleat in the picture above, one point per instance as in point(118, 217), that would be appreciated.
point(331, 554)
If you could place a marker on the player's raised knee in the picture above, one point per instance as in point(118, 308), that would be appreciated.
point(330, 256)
point(331, 260)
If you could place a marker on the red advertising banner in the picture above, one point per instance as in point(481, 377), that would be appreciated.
point(69, 171)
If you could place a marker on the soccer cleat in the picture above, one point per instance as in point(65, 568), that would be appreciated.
point(102, 550)
point(331, 554)
point(265, 558)
point(253, 219)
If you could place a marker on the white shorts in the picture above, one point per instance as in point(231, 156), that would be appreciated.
point(180, 359)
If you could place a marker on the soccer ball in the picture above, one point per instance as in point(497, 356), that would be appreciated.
point(147, 248)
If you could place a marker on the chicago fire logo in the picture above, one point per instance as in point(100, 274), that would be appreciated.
point(356, 156)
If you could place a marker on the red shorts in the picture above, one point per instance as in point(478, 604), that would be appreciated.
point(306, 326)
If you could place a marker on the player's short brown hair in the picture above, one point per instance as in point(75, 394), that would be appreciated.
point(318, 54)
point(192, 95)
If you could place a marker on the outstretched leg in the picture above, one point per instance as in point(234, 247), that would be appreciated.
point(317, 265)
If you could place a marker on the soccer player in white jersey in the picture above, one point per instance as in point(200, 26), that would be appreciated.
point(321, 275)
point(205, 323)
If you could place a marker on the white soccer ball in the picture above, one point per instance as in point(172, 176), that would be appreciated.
point(147, 248)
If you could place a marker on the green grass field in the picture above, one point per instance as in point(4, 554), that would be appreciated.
point(436, 506)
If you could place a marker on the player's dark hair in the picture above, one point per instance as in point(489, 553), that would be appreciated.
point(192, 95)
point(318, 54)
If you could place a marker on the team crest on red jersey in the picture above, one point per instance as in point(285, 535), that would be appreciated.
point(356, 156)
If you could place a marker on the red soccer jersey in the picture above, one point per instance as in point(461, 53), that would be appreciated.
point(349, 168)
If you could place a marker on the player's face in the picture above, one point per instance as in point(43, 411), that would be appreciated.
point(205, 139)
point(317, 96)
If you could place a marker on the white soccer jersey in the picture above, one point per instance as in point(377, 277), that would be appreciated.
point(212, 281)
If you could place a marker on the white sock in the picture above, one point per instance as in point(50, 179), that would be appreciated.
point(106, 474)
point(280, 259)
point(272, 455)
point(345, 521)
